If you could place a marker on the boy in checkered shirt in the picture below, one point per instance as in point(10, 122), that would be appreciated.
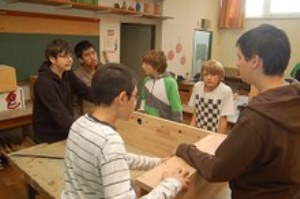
point(212, 100)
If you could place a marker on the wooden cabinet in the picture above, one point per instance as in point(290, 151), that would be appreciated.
point(96, 8)
point(185, 91)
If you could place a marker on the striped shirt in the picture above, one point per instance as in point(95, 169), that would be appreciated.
point(97, 164)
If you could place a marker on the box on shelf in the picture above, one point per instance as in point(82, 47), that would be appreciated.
point(12, 100)
point(8, 81)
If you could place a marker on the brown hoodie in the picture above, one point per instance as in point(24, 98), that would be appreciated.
point(260, 157)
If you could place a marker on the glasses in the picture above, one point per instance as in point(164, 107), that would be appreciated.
point(65, 56)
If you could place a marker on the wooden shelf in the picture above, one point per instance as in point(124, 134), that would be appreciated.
point(95, 8)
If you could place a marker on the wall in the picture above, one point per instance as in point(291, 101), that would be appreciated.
point(187, 15)
point(107, 21)
point(114, 23)
point(227, 40)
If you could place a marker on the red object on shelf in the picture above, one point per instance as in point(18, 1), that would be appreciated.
point(156, 8)
point(146, 7)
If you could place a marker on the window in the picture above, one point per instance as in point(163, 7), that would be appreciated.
point(268, 8)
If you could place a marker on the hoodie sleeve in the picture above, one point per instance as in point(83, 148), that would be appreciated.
point(232, 158)
point(174, 99)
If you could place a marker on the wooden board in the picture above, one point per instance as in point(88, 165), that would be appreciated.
point(199, 187)
point(157, 136)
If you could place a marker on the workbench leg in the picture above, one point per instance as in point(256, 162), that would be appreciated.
point(31, 193)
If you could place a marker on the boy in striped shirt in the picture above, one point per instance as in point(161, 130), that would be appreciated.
point(96, 162)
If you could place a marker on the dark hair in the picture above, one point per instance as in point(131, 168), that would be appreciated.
point(57, 47)
point(110, 80)
point(82, 46)
point(270, 44)
point(157, 59)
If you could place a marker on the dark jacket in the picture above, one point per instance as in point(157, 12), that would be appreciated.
point(260, 157)
point(53, 104)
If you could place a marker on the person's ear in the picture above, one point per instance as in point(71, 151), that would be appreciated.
point(256, 62)
point(80, 60)
point(52, 59)
point(122, 97)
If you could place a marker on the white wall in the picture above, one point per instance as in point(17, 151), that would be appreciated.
point(227, 39)
point(187, 15)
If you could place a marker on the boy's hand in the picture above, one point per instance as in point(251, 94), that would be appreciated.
point(165, 159)
point(182, 176)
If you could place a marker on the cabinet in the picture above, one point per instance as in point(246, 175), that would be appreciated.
point(95, 8)
point(185, 91)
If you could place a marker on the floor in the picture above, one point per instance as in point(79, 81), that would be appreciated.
point(12, 186)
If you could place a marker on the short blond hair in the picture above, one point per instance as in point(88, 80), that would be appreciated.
point(213, 67)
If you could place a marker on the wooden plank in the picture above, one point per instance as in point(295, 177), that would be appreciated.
point(199, 187)
point(157, 136)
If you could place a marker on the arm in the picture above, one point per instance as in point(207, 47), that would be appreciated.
point(192, 104)
point(193, 122)
point(116, 176)
point(233, 157)
point(141, 162)
point(174, 99)
point(49, 101)
point(222, 126)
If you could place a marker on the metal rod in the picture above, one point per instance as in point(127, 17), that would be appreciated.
point(38, 156)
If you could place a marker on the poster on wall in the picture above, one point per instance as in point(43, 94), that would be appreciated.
point(110, 41)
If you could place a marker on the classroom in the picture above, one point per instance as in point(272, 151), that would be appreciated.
point(241, 57)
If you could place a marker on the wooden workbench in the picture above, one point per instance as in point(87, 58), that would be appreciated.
point(142, 134)
point(17, 118)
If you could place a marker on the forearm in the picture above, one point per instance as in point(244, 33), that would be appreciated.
point(141, 162)
point(167, 189)
point(193, 121)
point(204, 163)
point(222, 126)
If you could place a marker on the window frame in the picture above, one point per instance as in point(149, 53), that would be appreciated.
point(266, 13)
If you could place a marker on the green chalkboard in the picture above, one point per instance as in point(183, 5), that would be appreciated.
point(25, 52)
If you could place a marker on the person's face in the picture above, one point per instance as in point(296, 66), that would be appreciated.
point(89, 58)
point(63, 61)
point(148, 69)
point(243, 66)
point(211, 81)
point(129, 105)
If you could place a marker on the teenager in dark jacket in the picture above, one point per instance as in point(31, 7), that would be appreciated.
point(53, 94)
point(260, 157)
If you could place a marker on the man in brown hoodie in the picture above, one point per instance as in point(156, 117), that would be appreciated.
point(260, 157)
